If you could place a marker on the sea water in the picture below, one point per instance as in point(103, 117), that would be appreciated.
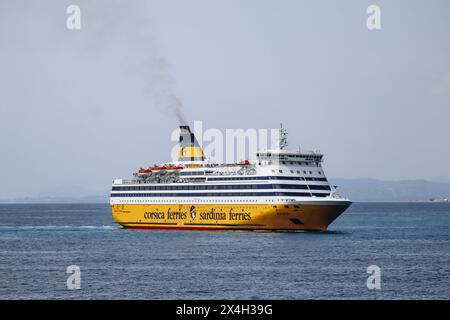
point(409, 242)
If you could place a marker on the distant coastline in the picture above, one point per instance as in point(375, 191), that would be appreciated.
point(373, 190)
point(48, 200)
point(359, 190)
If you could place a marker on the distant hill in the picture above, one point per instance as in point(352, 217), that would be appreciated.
point(64, 194)
point(59, 199)
point(365, 189)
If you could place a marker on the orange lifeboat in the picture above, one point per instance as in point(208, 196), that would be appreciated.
point(142, 170)
point(244, 163)
point(166, 168)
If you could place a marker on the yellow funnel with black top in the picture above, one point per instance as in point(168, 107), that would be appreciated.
point(189, 149)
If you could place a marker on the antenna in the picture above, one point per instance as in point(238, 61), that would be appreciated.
point(282, 143)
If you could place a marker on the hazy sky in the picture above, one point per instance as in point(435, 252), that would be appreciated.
point(77, 108)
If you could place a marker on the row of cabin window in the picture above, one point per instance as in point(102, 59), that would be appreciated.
point(298, 163)
point(224, 187)
point(310, 164)
point(298, 171)
point(221, 194)
point(268, 178)
point(203, 201)
point(290, 156)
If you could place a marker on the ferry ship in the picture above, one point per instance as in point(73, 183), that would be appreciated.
point(280, 190)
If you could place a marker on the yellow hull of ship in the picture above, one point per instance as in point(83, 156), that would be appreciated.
point(310, 216)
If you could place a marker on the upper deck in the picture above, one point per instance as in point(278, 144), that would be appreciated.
point(193, 167)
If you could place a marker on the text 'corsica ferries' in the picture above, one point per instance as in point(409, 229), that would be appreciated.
point(280, 190)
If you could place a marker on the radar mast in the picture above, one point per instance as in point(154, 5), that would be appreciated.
point(282, 139)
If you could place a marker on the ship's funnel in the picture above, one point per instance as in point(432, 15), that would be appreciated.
point(189, 149)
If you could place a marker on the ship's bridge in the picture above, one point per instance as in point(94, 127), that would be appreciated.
point(281, 155)
point(284, 155)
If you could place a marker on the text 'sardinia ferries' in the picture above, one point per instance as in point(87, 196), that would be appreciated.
point(280, 190)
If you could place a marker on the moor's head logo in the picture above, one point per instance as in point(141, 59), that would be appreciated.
point(192, 210)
